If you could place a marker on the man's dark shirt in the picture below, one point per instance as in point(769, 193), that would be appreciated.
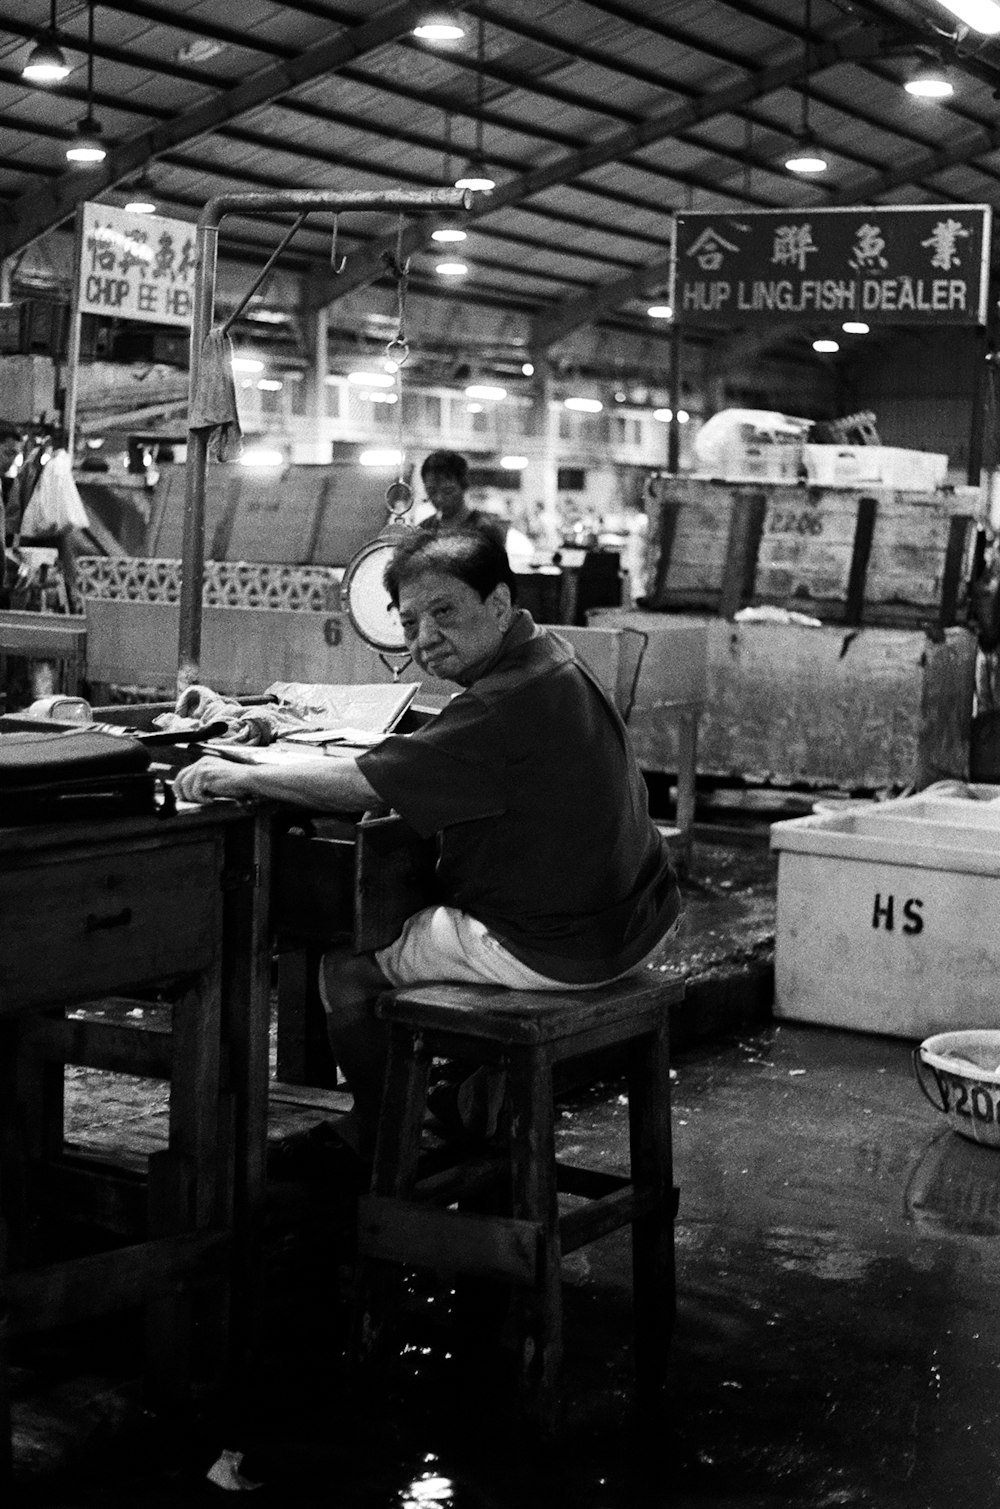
point(529, 780)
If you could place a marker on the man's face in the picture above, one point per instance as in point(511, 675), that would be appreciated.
point(445, 492)
point(448, 628)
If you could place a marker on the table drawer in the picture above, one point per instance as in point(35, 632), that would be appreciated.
point(105, 920)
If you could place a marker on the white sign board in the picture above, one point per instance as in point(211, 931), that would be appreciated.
point(136, 267)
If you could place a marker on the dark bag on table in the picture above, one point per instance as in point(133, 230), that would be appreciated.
point(72, 774)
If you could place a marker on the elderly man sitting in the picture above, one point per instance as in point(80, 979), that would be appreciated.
point(551, 870)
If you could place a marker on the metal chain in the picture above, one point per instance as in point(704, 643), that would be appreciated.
point(399, 494)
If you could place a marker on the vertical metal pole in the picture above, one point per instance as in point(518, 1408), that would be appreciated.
point(193, 547)
point(981, 378)
point(674, 434)
point(673, 431)
point(547, 419)
point(321, 367)
point(73, 346)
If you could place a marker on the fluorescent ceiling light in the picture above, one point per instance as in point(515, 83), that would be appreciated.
point(448, 233)
point(262, 457)
point(660, 312)
point(826, 347)
point(527, 369)
point(247, 364)
point(372, 379)
point(377, 396)
point(141, 204)
point(981, 15)
point(806, 159)
point(439, 26)
point(855, 327)
point(663, 415)
point(513, 463)
point(473, 408)
point(451, 269)
point(270, 385)
point(380, 458)
point(583, 405)
point(930, 84)
point(484, 390)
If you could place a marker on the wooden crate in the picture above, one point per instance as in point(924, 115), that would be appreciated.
point(863, 709)
point(299, 515)
point(243, 649)
point(845, 555)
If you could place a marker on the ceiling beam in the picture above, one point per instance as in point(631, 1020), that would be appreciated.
point(41, 210)
point(587, 309)
point(848, 44)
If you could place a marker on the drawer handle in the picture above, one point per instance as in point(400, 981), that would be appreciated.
point(95, 923)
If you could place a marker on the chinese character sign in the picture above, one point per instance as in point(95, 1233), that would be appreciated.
point(924, 264)
point(138, 267)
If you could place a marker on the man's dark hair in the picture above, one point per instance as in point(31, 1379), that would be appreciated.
point(473, 556)
point(448, 464)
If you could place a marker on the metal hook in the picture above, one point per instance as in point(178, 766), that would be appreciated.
point(337, 267)
point(395, 668)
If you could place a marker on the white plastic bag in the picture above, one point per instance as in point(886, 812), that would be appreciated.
point(55, 505)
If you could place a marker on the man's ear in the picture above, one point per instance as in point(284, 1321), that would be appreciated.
point(501, 603)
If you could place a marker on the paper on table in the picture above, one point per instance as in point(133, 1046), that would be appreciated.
point(373, 708)
point(261, 754)
point(359, 737)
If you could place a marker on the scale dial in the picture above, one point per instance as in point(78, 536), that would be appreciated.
point(368, 604)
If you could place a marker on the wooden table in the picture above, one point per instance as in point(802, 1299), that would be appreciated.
point(92, 911)
point(46, 636)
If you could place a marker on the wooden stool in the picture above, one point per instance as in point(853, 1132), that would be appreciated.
point(409, 1221)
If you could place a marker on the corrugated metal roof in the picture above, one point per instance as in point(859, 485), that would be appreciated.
point(639, 107)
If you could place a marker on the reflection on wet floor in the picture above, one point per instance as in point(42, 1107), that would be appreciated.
point(837, 1341)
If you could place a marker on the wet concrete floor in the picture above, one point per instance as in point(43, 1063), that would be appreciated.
point(837, 1339)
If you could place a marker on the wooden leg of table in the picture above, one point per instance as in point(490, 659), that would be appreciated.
point(687, 769)
point(397, 1153)
point(539, 1309)
point(653, 1280)
point(169, 1318)
point(246, 1013)
point(6, 1423)
point(185, 1192)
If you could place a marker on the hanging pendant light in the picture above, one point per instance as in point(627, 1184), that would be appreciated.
point(439, 25)
point(87, 147)
point(140, 198)
point(46, 62)
point(475, 175)
point(930, 83)
point(806, 157)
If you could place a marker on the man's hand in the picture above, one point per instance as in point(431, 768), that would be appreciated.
point(209, 778)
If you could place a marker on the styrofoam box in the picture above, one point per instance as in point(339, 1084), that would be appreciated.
point(881, 465)
point(887, 919)
point(758, 461)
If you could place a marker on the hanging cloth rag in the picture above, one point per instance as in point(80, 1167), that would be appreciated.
point(214, 404)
